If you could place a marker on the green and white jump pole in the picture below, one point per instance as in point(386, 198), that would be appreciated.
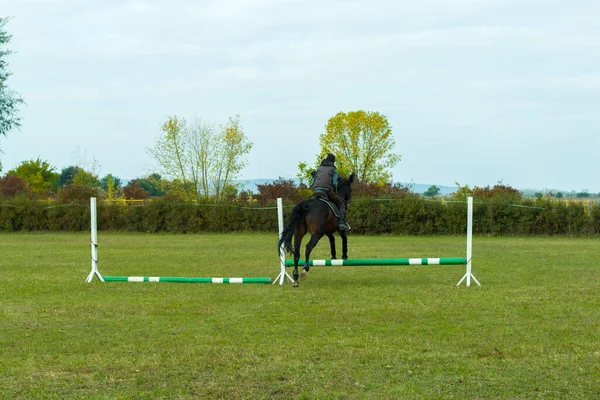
point(180, 279)
point(381, 262)
point(389, 261)
point(175, 279)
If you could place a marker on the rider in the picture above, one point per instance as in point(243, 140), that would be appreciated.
point(325, 179)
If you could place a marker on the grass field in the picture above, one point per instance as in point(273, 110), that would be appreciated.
point(532, 330)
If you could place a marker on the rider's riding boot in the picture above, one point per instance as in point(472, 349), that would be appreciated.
point(342, 226)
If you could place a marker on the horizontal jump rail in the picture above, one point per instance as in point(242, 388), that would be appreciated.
point(382, 262)
point(176, 279)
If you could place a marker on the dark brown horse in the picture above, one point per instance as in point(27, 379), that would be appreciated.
point(317, 218)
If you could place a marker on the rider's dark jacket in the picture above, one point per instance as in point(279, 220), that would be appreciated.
point(326, 177)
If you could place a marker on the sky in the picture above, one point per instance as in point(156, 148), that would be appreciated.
point(476, 91)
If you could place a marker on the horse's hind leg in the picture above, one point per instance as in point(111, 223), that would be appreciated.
point(314, 239)
point(332, 245)
point(298, 235)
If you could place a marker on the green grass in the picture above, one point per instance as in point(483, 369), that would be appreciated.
point(531, 331)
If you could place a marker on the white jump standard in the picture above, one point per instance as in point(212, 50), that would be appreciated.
point(94, 229)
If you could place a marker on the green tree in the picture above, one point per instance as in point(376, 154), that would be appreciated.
point(304, 173)
point(229, 161)
point(67, 175)
point(204, 143)
point(9, 100)
point(432, 191)
point(203, 159)
point(174, 154)
point(111, 185)
point(40, 176)
point(85, 178)
point(153, 184)
point(109, 180)
point(363, 143)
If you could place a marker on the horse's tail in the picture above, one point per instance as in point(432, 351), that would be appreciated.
point(296, 217)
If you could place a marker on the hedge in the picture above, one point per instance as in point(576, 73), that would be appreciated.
point(404, 216)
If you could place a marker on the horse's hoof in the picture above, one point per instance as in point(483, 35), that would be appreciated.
point(295, 284)
point(303, 275)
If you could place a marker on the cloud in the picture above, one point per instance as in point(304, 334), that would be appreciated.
point(473, 72)
point(589, 81)
point(582, 81)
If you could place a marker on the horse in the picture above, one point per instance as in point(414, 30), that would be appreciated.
point(316, 217)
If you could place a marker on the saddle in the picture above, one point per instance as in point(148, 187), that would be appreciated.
point(322, 196)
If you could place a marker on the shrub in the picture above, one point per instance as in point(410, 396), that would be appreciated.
point(498, 192)
point(134, 191)
point(377, 190)
point(283, 188)
point(12, 185)
point(78, 193)
point(410, 215)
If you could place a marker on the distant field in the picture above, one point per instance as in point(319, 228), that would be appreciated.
point(531, 331)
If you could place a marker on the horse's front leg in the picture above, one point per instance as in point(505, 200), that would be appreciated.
point(305, 269)
point(332, 245)
point(344, 245)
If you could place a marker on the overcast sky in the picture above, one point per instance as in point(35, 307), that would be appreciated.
point(476, 91)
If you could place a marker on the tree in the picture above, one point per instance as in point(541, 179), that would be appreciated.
point(174, 154)
point(203, 159)
point(110, 182)
point(363, 143)
point(134, 191)
point(153, 184)
point(204, 144)
point(11, 186)
point(67, 174)
point(111, 185)
point(9, 100)
point(229, 156)
point(432, 191)
point(85, 178)
point(304, 173)
point(40, 176)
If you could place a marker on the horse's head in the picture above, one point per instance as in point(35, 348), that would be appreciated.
point(345, 188)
